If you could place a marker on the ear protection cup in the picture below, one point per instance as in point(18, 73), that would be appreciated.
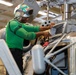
point(19, 13)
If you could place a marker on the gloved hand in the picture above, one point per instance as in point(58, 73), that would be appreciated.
point(51, 25)
point(46, 34)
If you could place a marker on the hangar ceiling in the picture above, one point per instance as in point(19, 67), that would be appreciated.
point(6, 12)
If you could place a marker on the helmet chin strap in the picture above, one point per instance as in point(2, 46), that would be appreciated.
point(23, 19)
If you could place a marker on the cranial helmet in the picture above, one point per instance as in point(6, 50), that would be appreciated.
point(22, 10)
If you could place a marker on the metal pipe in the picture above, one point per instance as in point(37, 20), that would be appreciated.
point(56, 44)
point(47, 10)
point(67, 11)
point(50, 45)
point(54, 66)
point(56, 35)
point(62, 49)
point(64, 27)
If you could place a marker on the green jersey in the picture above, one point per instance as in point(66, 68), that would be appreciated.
point(16, 32)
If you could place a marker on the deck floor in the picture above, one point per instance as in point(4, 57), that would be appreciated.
point(28, 70)
point(2, 68)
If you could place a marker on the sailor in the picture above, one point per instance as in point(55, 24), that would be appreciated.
point(17, 30)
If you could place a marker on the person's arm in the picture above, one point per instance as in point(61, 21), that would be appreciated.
point(37, 28)
point(27, 35)
point(45, 34)
point(31, 28)
point(43, 28)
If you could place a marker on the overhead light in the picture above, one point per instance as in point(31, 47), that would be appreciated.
point(6, 3)
point(42, 13)
point(45, 14)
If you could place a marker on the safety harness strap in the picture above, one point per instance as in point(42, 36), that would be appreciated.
point(15, 29)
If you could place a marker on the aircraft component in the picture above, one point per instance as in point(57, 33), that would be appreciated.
point(38, 59)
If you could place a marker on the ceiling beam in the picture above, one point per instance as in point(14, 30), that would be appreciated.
point(6, 10)
point(16, 2)
point(4, 18)
point(56, 10)
point(8, 13)
point(53, 9)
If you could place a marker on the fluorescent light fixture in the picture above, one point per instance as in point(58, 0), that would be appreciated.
point(42, 13)
point(45, 14)
point(6, 3)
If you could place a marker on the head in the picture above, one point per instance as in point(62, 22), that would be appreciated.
point(23, 12)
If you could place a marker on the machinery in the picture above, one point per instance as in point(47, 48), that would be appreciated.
point(59, 56)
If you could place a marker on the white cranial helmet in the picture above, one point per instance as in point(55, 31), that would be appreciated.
point(22, 10)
